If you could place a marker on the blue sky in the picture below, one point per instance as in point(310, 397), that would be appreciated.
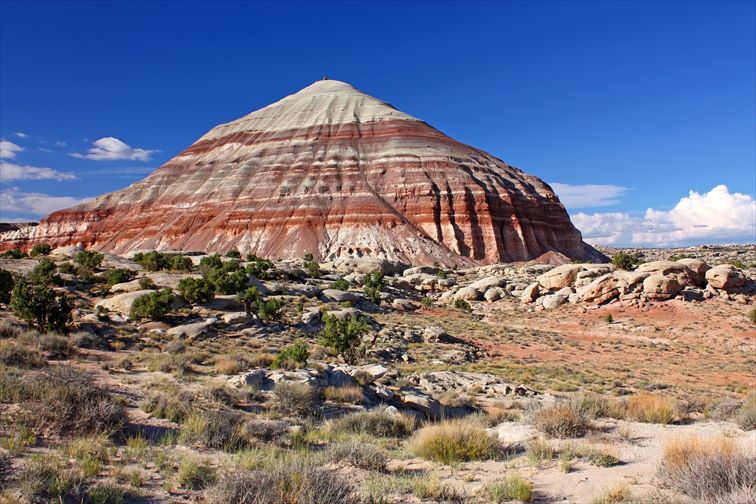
point(637, 112)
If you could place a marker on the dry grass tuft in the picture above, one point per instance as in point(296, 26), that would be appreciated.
point(651, 408)
point(562, 419)
point(347, 395)
point(454, 441)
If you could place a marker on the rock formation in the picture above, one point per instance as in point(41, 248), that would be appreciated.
point(331, 171)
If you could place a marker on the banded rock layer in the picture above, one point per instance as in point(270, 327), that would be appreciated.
point(331, 171)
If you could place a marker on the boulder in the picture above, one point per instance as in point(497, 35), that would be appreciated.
point(368, 265)
point(255, 379)
point(121, 303)
point(725, 277)
point(338, 296)
point(484, 284)
point(531, 293)
point(468, 294)
point(560, 277)
point(698, 269)
point(423, 403)
point(601, 290)
point(169, 280)
point(257, 284)
point(495, 294)
point(680, 271)
point(404, 305)
point(234, 317)
point(193, 330)
point(376, 371)
point(659, 287)
point(131, 286)
point(552, 301)
point(435, 334)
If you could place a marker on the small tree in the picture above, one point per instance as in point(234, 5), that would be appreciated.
point(6, 285)
point(44, 273)
point(40, 249)
point(625, 261)
point(196, 290)
point(461, 304)
point(181, 263)
point(114, 276)
point(15, 253)
point(311, 266)
point(233, 253)
point(248, 299)
point(373, 286)
point(343, 335)
point(89, 260)
point(41, 306)
point(259, 267)
point(152, 306)
point(269, 310)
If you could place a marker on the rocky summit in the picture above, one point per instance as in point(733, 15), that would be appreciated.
point(330, 171)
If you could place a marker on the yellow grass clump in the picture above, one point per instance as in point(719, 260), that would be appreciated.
point(454, 441)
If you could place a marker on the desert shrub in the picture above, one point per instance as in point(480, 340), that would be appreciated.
point(6, 467)
point(651, 408)
point(225, 277)
point(358, 454)
point(214, 429)
point(724, 409)
point(6, 286)
point(151, 306)
point(173, 407)
point(340, 284)
point(195, 474)
point(44, 273)
point(248, 298)
point(88, 259)
point(157, 261)
point(295, 398)
point(512, 488)
point(114, 276)
point(259, 267)
point(293, 356)
point(594, 406)
point(15, 253)
point(40, 249)
point(343, 336)
point(539, 451)
point(374, 422)
point(66, 400)
point(68, 268)
point(561, 419)
point(263, 429)
point(11, 384)
point(707, 469)
point(461, 304)
point(625, 261)
point(231, 364)
point(752, 316)
point(311, 266)
point(47, 479)
point(15, 354)
point(146, 283)
point(17, 437)
point(104, 492)
point(55, 345)
point(373, 285)
point(196, 290)
point(41, 306)
point(348, 395)
point(234, 254)
point(746, 415)
point(269, 310)
point(615, 495)
point(296, 482)
point(454, 441)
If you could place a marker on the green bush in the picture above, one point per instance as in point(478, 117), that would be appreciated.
point(311, 266)
point(625, 261)
point(41, 306)
point(225, 277)
point(157, 261)
point(340, 284)
point(44, 273)
point(269, 310)
point(196, 290)
point(152, 306)
point(373, 286)
point(88, 259)
point(6, 285)
point(40, 249)
point(461, 304)
point(13, 254)
point(259, 267)
point(292, 357)
point(513, 488)
point(233, 253)
point(295, 398)
point(114, 276)
point(248, 299)
point(343, 335)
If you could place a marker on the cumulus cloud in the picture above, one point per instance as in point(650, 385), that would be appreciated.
point(714, 216)
point(10, 171)
point(112, 149)
point(39, 204)
point(588, 195)
point(8, 149)
point(21, 134)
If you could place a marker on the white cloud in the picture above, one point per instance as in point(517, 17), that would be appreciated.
point(112, 149)
point(715, 216)
point(20, 134)
point(10, 171)
point(8, 149)
point(588, 195)
point(39, 204)
point(60, 143)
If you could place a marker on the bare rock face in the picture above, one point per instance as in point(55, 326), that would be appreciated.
point(725, 277)
point(334, 172)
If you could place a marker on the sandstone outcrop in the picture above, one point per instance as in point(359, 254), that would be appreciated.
point(330, 171)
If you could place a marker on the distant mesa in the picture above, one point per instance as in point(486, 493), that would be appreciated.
point(332, 171)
